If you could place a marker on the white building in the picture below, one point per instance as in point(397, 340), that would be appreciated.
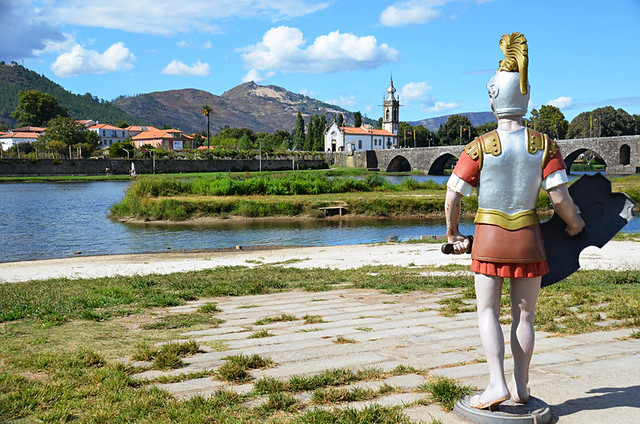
point(20, 135)
point(109, 134)
point(341, 139)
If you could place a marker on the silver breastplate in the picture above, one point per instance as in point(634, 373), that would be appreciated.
point(510, 182)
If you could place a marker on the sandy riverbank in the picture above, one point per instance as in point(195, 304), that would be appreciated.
point(615, 255)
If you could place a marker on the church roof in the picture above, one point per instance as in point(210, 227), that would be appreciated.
point(366, 131)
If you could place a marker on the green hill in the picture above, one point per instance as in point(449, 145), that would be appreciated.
point(14, 78)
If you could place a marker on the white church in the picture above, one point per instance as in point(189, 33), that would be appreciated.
point(351, 139)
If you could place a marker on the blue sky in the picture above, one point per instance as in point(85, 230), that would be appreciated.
point(582, 54)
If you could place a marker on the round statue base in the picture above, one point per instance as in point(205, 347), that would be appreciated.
point(533, 412)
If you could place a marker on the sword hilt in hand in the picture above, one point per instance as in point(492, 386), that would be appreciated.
point(447, 248)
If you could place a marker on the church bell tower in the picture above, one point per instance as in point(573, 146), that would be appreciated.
point(390, 110)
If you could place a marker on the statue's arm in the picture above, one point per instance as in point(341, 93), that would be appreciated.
point(452, 205)
point(566, 209)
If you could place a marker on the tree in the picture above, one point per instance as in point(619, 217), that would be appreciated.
point(298, 133)
point(206, 111)
point(340, 120)
point(122, 124)
point(36, 108)
point(121, 149)
point(550, 120)
point(70, 133)
point(279, 140)
point(245, 143)
point(450, 132)
point(602, 122)
point(357, 119)
point(486, 127)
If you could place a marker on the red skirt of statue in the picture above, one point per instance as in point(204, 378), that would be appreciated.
point(509, 254)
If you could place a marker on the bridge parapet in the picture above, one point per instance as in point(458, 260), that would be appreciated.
point(621, 155)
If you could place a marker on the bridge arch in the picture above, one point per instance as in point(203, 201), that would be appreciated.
point(571, 157)
point(438, 165)
point(399, 164)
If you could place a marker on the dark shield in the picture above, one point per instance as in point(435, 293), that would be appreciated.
point(604, 213)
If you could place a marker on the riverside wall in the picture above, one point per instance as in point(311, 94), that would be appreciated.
point(52, 167)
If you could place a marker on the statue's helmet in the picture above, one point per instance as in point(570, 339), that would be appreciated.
point(509, 87)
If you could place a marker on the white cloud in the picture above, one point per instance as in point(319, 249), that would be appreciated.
point(256, 76)
point(283, 49)
point(415, 92)
point(346, 102)
point(561, 102)
point(79, 60)
point(165, 18)
point(410, 12)
point(442, 107)
point(307, 93)
point(186, 45)
point(197, 69)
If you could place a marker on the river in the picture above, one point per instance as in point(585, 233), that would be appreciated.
point(54, 220)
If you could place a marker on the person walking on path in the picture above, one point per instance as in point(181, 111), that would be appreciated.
point(508, 167)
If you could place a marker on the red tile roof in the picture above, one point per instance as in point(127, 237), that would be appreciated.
point(157, 134)
point(20, 134)
point(104, 127)
point(141, 128)
point(366, 131)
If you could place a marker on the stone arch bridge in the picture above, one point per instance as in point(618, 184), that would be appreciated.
point(620, 154)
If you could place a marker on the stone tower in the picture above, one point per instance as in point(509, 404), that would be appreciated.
point(390, 110)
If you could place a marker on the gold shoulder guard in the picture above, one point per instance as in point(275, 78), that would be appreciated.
point(537, 141)
point(487, 143)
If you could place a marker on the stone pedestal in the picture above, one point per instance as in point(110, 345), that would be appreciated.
point(533, 412)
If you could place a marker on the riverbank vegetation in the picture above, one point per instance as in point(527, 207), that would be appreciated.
point(304, 194)
point(62, 342)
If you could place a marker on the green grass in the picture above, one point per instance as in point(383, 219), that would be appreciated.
point(313, 319)
point(184, 320)
point(327, 378)
point(220, 195)
point(260, 334)
point(58, 363)
point(236, 367)
point(167, 356)
point(452, 306)
point(445, 391)
point(284, 317)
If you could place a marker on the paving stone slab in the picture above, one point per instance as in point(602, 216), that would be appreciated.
point(196, 385)
point(603, 350)
point(353, 361)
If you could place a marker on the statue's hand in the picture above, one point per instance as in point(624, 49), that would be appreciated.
point(576, 226)
point(460, 243)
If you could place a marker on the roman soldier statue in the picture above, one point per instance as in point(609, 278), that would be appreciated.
point(508, 167)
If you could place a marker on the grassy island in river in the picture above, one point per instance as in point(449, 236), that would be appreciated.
point(299, 194)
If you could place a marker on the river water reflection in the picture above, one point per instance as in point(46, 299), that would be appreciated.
point(52, 220)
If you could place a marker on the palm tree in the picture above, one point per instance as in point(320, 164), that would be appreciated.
point(207, 110)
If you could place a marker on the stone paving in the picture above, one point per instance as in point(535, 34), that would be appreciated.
point(587, 378)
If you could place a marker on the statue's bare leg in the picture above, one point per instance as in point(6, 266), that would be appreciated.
point(524, 296)
point(488, 294)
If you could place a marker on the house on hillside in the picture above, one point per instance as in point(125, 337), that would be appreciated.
point(109, 134)
point(341, 139)
point(167, 139)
